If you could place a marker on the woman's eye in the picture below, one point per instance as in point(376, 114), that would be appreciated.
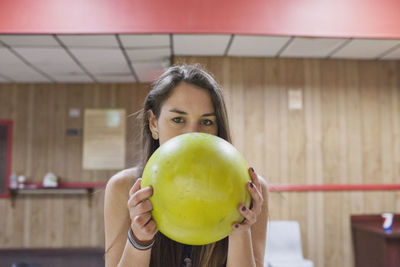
point(207, 122)
point(177, 120)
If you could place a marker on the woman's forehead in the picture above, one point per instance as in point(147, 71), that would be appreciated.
point(187, 97)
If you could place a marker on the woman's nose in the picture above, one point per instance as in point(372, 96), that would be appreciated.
point(193, 128)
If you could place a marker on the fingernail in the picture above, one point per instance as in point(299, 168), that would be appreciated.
point(251, 169)
point(251, 185)
point(243, 208)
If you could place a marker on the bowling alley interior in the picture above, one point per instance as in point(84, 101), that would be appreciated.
point(312, 94)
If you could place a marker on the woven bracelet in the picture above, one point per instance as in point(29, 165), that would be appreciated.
point(132, 237)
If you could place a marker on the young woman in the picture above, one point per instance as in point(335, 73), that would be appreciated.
point(184, 99)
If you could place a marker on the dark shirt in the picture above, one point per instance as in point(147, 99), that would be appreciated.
point(186, 256)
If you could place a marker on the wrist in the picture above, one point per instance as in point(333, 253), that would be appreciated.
point(139, 244)
point(240, 234)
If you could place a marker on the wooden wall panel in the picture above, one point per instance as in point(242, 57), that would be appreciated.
point(312, 113)
point(347, 132)
point(40, 116)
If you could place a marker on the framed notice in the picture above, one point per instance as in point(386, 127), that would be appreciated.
point(104, 145)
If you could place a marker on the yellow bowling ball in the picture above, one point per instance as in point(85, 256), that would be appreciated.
point(198, 182)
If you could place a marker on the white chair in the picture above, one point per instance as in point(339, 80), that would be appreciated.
point(283, 248)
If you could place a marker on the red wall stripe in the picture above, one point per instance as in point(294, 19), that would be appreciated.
point(338, 18)
point(332, 187)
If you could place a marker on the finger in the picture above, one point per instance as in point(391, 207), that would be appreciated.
point(143, 207)
point(256, 196)
point(136, 186)
point(150, 228)
point(139, 196)
point(142, 220)
point(254, 177)
point(241, 226)
point(250, 216)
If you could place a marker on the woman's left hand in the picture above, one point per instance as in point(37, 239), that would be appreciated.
point(251, 213)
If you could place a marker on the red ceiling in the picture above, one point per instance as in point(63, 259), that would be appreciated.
point(334, 18)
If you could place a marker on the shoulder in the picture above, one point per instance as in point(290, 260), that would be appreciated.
point(123, 180)
point(118, 186)
point(116, 198)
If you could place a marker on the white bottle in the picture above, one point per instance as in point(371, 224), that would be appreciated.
point(21, 181)
point(13, 181)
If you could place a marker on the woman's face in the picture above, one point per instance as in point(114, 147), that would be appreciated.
point(188, 109)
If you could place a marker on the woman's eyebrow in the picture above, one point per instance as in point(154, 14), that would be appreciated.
point(178, 111)
point(185, 113)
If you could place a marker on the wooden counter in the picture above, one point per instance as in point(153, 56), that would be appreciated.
point(374, 247)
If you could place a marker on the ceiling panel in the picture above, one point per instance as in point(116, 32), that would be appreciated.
point(365, 48)
point(50, 60)
point(145, 40)
point(29, 40)
point(312, 47)
point(150, 53)
point(27, 76)
point(98, 61)
point(95, 40)
point(72, 78)
point(200, 44)
point(11, 66)
point(116, 78)
point(154, 54)
point(394, 54)
point(256, 46)
point(148, 72)
point(21, 73)
point(3, 79)
point(8, 57)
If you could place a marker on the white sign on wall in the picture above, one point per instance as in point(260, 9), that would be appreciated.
point(104, 142)
point(295, 99)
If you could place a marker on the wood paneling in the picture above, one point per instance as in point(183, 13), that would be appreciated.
point(347, 132)
point(40, 116)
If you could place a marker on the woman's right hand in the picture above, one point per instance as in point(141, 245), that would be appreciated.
point(142, 224)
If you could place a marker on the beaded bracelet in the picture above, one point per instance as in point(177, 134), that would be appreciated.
point(133, 239)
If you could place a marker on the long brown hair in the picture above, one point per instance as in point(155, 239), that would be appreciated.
point(166, 252)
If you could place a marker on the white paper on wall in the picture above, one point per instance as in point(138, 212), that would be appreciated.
point(104, 142)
